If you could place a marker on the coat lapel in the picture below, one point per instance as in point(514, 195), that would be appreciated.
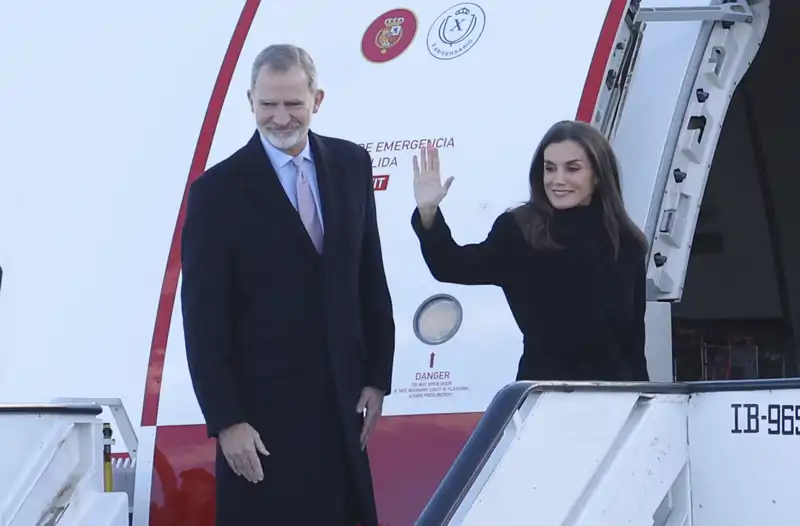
point(265, 188)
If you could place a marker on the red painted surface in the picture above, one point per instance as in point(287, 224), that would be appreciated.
point(410, 455)
point(396, 46)
point(602, 52)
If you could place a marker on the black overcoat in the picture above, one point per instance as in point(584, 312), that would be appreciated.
point(284, 338)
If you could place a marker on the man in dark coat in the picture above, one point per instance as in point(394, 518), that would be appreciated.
point(286, 311)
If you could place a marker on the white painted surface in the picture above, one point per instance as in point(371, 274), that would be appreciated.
point(595, 457)
point(144, 476)
point(585, 458)
point(658, 341)
point(101, 106)
point(747, 478)
point(52, 461)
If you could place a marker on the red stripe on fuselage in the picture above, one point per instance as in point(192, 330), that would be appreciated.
point(602, 53)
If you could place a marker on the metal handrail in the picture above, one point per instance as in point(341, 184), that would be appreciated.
point(121, 417)
point(487, 434)
point(53, 409)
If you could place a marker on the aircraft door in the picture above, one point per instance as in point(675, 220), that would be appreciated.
point(691, 58)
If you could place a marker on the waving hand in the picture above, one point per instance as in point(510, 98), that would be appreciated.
point(428, 188)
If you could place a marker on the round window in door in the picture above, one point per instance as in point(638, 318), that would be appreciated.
point(438, 319)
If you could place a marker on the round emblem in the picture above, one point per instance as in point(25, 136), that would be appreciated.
point(456, 31)
point(389, 35)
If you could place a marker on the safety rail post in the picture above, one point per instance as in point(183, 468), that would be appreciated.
point(108, 474)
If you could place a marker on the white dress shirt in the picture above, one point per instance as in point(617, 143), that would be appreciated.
point(282, 163)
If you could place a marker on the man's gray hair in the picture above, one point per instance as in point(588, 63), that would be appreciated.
point(280, 58)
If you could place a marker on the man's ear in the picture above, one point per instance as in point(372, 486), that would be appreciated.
point(250, 100)
point(318, 96)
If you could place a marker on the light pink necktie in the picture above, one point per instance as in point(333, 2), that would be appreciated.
point(307, 207)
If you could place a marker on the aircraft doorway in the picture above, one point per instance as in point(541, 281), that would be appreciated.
point(740, 312)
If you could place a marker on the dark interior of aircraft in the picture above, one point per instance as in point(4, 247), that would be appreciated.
point(740, 312)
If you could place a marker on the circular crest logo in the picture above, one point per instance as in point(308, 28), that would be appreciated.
point(389, 35)
point(456, 31)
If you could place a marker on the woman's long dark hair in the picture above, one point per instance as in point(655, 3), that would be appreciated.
point(535, 216)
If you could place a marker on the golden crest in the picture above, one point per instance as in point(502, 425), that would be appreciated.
point(390, 34)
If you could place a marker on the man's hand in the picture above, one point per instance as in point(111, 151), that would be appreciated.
point(241, 445)
point(371, 400)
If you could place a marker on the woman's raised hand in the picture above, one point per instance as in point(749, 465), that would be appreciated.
point(428, 188)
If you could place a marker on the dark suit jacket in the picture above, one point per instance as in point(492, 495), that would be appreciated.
point(276, 334)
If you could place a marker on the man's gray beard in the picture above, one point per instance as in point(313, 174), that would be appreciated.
point(284, 142)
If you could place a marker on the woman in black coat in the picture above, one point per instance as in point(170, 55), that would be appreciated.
point(570, 261)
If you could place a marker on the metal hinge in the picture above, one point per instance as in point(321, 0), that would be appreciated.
point(731, 11)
